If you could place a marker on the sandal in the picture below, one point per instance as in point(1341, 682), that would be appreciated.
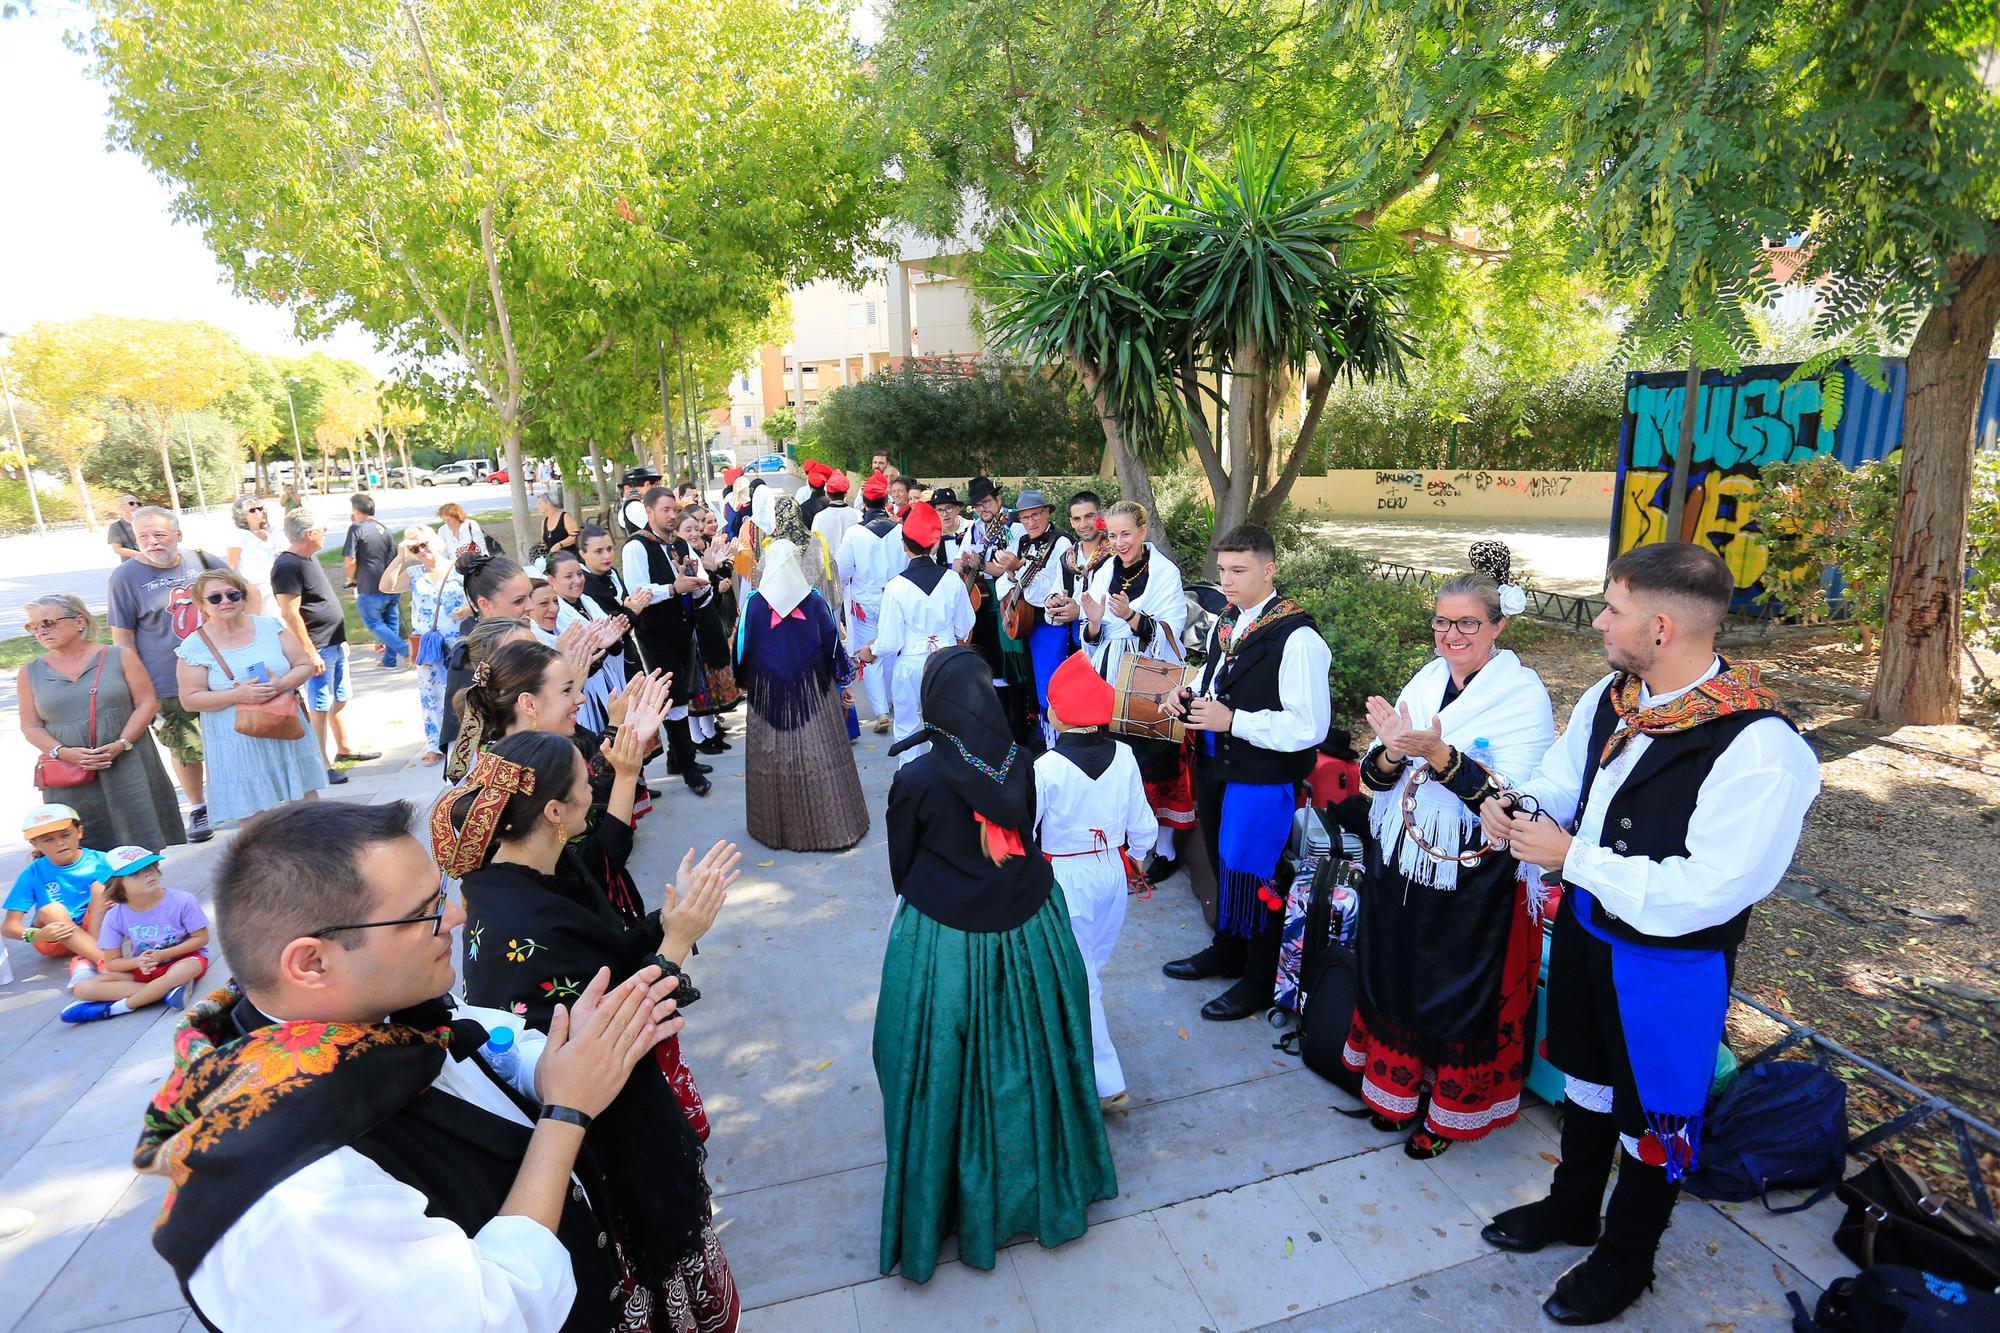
point(1424, 1145)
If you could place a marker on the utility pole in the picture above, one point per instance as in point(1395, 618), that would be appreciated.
point(27, 466)
point(194, 461)
point(298, 453)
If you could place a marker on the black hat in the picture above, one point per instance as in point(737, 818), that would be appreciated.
point(639, 476)
point(980, 488)
point(971, 742)
point(945, 495)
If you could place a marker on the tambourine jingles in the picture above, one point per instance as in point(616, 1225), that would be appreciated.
point(1410, 830)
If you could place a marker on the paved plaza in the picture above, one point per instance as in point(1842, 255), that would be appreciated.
point(1244, 1200)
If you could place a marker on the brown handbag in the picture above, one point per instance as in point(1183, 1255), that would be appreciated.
point(276, 719)
point(51, 773)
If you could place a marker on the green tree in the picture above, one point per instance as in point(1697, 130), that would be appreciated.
point(163, 370)
point(64, 370)
point(944, 426)
point(128, 459)
point(781, 427)
point(258, 410)
point(1870, 131)
point(497, 193)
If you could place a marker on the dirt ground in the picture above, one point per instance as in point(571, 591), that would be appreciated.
point(1886, 935)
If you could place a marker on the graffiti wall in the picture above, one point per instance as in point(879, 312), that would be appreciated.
point(1743, 422)
point(1456, 493)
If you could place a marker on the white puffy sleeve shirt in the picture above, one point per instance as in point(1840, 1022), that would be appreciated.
point(1305, 708)
point(340, 1244)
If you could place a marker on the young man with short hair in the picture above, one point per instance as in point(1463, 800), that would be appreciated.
point(665, 629)
point(1669, 807)
point(369, 550)
point(1259, 709)
point(339, 1149)
point(150, 611)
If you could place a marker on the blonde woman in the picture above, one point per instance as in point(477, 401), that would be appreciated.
point(237, 659)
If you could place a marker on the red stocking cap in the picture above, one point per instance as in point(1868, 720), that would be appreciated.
point(1078, 695)
point(837, 484)
point(817, 472)
point(875, 488)
point(921, 525)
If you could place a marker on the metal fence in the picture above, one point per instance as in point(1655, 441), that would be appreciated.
point(1568, 609)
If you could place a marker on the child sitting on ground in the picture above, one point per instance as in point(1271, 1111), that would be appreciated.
point(154, 940)
point(58, 899)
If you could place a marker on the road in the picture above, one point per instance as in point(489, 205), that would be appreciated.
point(79, 562)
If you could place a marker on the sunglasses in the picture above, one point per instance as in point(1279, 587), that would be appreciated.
point(218, 598)
point(435, 917)
point(40, 626)
point(1466, 624)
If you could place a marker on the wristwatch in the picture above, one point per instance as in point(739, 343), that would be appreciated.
point(126, 743)
point(567, 1115)
point(55, 751)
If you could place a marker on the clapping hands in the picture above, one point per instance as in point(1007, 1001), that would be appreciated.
point(1400, 736)
point(695, 898)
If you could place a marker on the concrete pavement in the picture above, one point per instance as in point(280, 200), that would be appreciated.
point(1244, 1200)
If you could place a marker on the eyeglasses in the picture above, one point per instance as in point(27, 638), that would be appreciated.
point(218, 598)
point(435, 917)
point(1465, 625)
point(39, 626)
point(254, 509)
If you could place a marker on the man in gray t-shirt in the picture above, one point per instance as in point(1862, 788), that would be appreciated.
point(151, 610)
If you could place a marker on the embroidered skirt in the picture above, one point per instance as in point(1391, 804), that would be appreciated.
point(989, 1101)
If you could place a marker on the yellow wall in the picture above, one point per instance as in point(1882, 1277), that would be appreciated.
point(1460, 493)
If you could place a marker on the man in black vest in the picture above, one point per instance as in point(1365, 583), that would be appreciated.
point(1670, 806)
point(1261, 709)
point(665, 629)
point(331, 1166)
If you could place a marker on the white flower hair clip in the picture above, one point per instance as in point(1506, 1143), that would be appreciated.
point(1513, 600)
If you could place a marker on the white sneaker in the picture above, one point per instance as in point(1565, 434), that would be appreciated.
point(79, 968)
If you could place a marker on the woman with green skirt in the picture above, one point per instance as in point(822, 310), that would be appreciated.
point(982, 1030)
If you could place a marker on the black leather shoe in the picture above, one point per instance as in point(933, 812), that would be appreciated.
point(1533, 1226)
point(1210, 962)
point(1597, 1291)
point(714, 745)
point(1242, 1000)
point(1161, 868)
point(653, 792)
point(698, 784)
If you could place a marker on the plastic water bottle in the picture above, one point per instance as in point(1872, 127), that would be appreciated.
point(1481, 753)
point(501, 1056)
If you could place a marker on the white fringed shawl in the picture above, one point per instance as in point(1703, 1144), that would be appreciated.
point(1508, 707)
point(1164, 599)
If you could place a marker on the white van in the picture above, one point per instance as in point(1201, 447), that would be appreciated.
point(463, 472)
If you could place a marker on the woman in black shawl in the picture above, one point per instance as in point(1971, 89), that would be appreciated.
point(982, 1029)
point(537, 928)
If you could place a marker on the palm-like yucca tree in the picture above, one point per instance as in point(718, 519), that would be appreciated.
point(1079, 281)
point(1261, 293)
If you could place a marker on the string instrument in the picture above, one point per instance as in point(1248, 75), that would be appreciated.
point(974, 578)
point(1017, 613)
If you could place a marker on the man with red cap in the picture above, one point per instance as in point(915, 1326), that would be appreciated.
point(832, 522)
point(813, 498)
point(869, 555)
point(924, 608)
point(1090, 808)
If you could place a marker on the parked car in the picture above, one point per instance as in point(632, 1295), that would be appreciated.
point(413, 476)
point(464, 472)
point(499, 478)
point(768, 463)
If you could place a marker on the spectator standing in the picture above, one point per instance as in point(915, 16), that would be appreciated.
point(310, 609)
point(120, 537)
point(237, 659)
point(556, 535)
point(367, 554)
point(88, 705)
point(438, 606)
point(255, 545)
point(462, 535)
point(151, 611)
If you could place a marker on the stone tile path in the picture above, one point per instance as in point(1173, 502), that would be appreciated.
point(1245, 1201)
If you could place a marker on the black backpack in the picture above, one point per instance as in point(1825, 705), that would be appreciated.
point(1782, 1123)
point(1893, 1218)
point(1331, 983)
point(1890, 1298)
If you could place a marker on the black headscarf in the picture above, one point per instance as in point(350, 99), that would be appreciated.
point(971, 744)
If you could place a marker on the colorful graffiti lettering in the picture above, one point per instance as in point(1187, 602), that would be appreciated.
point(1742, 423)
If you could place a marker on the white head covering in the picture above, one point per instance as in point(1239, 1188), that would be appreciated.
point(763, 507)
point(783, 583)
point(739, 494)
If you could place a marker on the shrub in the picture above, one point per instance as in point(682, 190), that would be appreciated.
point(1822, 527)
point(1378, 631)
point(947, 423)
point(126, 459)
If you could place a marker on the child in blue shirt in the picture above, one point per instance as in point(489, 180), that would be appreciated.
point(58, 902)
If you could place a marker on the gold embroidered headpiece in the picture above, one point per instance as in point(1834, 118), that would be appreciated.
point(491, 783)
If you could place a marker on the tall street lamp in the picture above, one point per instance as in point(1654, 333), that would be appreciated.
point(298, 454)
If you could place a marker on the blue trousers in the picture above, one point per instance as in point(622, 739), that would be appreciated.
point(382, 614)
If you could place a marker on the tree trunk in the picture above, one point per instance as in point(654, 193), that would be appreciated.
point(598, 482)
point(1319, 385)
point(167, 466)
point(403, 452)
point(517, 485)
point(1135, 483)
point(83, 494)
point(1677, 483)
point(1917, 680)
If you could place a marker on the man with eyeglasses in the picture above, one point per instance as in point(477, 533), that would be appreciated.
point(119, 535)
point(151, 610)
point(343, 1149)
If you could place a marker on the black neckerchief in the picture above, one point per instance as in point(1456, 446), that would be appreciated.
point(924, 571)
point(1091, 751)
point(1131, 582)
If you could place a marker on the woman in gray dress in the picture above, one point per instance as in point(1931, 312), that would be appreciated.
point(131, 801)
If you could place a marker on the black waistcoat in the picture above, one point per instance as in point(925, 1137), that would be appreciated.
point(1649, 813)
point(1248, 679)
point(665, 629)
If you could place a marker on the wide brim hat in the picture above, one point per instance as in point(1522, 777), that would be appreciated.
point(1031, 500)
point(980, 488)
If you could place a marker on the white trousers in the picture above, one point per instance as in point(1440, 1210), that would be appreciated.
point(906, 683)
point(1094, 887)
point(861, 633)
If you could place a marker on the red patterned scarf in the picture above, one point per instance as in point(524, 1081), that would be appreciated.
point(1736, 689)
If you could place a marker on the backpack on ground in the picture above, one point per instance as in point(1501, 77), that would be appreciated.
point(1892, 1298)
point(1782, 1123)
point(1314, 867)
point(1326, 1010)
point(1894, 1219)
